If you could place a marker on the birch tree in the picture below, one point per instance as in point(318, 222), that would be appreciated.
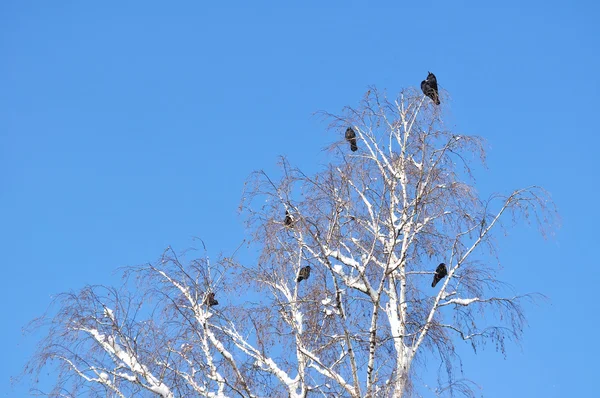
point(372, 225)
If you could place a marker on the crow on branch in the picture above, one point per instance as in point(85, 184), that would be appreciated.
point(351, 138)
point(289, 221)
point(430, 88)
point(440, 272)
point(210, 300)
point(303, 274)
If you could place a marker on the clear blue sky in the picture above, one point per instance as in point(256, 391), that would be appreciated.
point(129, 126)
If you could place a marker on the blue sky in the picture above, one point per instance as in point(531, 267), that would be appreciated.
point(125, 128)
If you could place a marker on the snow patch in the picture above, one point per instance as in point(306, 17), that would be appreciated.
point(445, 295)
point(130, 360)
point(109, 313)
point(464, 301)
point(461, 301)
point(357, 284)
point(329, 309)
point(417, 165)
point(299, 321)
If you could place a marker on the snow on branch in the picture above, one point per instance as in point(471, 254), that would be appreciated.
point(459, 301)
point(264, 362)
point(129, 359)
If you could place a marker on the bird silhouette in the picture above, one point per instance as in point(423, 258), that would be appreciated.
point(440, 272)
point(430, 88)
point(289, 221)
point(210, 300)
point(303, 274)
point(351, 138)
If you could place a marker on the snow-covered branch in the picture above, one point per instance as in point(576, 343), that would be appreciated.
point(140, 373)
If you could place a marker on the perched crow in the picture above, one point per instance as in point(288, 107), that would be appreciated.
point(210, 300)
point(440, 272)
point(304, 273)
point(289, 222)
point(351, 138)
point(430, 88)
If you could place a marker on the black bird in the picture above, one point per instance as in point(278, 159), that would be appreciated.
point(440, 272)
point(430, 88)
point(289, 222)
point(351, 138)
point(304, 273)
point(210, 300)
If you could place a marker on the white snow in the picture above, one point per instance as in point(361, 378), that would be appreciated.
point(299, 321)
point(129, 359)
point(338, 269)
point(330, 308)
point(461, 301)
point(464, 301)
point(346, 260)
point(445, 295)
point(357, 284)
point(417, 165)
point(109, 313)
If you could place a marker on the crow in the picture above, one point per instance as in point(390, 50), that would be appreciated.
point(430, 88)
point(210, 300)
point(304, 273)
point(289, 221)
point(440, 272)
point(351, 138)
